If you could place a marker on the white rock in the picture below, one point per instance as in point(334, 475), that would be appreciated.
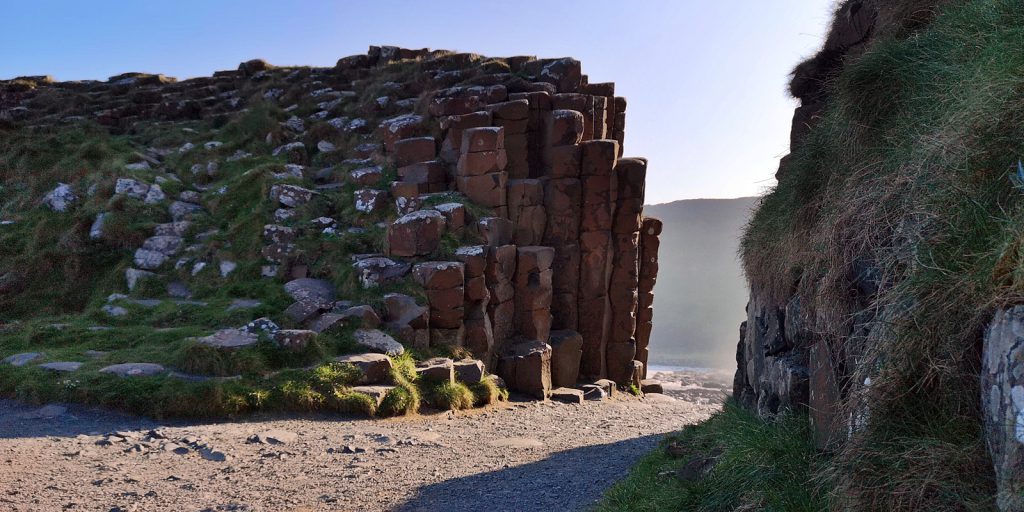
point(60, 198)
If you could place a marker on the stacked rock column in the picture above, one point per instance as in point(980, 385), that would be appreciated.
point(479, 337)
point(444, 283)
point(533, 292)
point(480, 173)
point(416, 159)
point(625, 278)
point(600, 192)
point(501, 309)
point(563, 197)
point(649, 243)
point(514, 118)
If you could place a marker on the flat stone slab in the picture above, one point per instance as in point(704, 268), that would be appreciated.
point(230, 339)
point(378, 341)
point(134, 369)
point(315, 290)
point(22, 359)
point(62, 366)
point(375, 392)
point(567, 395)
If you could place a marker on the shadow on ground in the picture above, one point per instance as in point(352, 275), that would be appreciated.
point(22, 420)
point(557, 483)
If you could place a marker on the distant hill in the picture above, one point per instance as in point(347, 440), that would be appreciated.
point(701, 292)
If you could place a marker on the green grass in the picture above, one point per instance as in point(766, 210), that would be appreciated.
point(908, 172)
point(760, 465)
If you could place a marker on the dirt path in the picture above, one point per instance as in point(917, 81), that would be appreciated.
point(521, 456)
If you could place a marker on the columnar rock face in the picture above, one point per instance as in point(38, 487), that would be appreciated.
point(510, 168)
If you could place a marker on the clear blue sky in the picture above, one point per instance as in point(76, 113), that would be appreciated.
point(705, 79)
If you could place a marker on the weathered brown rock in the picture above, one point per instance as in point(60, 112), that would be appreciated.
point(416, 234)
point(594, 326)
point(564, 128)
point(373, 368)
point(620, 361)
point(414, 150)
point(486, 190)
point(526, 368)
point(566, 353)
point(438, 369)
point(495, 231)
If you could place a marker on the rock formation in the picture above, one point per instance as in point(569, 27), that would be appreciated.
point(499, 186)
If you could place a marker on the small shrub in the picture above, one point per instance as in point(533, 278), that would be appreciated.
point(486, 392)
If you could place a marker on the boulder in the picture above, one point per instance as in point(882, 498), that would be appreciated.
point(230, 339)
point(131, 188)
point(60, 199)
point(651, 386)
point(291, 196)
point(438, 369)
point(470, 371)
point(379, 270)
point(293, 339)
point(314, 290)
point(373, 368)
point(294, 153)
point(377, 393)
point(378, 341)
point(416, 234)
point(526, 368)
point(567, 395)
point(414, 150)
point(370, 200)
point(182, 211)
point(134, 276)
point(22, 359)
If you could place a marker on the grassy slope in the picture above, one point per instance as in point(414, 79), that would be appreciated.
point(908, 171)
point(762, 465)
point(54, 279)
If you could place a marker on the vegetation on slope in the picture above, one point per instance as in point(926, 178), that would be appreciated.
point(732, 461)
point(909, 174)
point(55, 279)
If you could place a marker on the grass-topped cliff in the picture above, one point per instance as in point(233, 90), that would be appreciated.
point(895, 230)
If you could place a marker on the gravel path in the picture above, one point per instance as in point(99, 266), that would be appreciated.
point(528, 456)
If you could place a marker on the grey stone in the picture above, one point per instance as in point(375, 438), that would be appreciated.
point(227, 267)
point(316, 290)
point(61, 198)
point(114, 311)
point(155, 195)
point(62, 366)
point(593, 392)
point(96, 231)
point(293, 339)
point(651, 386)
point(166, 245)
point(133, 276)
point(134, 369)
point(181, 210)
point(230, 339)
point(22, 359)
point(149, 260)
point(304, 310)
point(260, 325)
point(378, 341)
point(376, 271)
point(131, 188)
point(1002, 400)
point(178, 290)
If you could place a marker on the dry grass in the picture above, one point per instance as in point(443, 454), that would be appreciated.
point(906, 175)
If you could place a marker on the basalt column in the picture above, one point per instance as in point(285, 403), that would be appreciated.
point(649, 244)
point(480, 173)
point(479, 336)
point(600, 190)
point(444, 283)
point(563, 197)
point(625, 279)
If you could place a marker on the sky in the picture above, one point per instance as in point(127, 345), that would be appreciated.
point(705, 80)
